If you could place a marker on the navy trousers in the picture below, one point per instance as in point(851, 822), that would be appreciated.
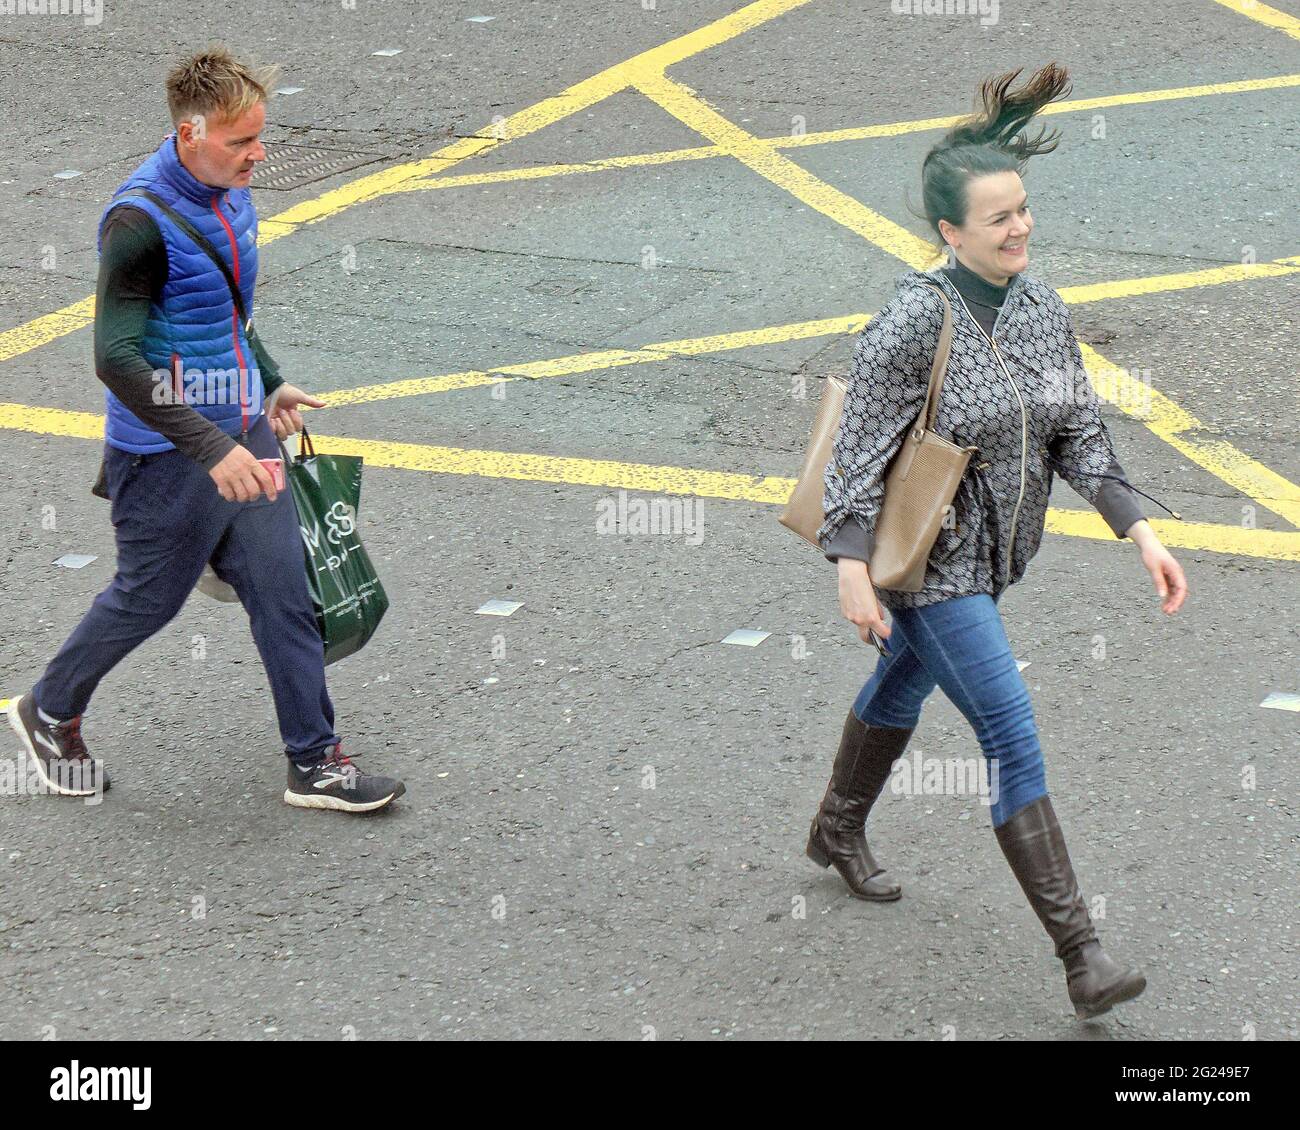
point(169, 521)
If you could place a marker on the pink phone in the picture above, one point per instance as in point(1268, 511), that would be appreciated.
point(275, 467)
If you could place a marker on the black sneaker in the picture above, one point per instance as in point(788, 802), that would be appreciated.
point(60, 756)
point(337, 783)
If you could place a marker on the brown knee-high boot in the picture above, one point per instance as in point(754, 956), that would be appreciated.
point(862, 766)
point(1035, 847)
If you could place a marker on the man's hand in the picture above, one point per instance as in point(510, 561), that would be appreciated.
point(241, 478)
point(282, 409)
point(1171, 585)
point(858, 600)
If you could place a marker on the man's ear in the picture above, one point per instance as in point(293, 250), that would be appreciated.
point(191, 131)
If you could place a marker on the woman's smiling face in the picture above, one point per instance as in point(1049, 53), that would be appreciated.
point(994, 240)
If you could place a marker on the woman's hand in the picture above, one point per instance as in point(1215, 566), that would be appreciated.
point(858, 600)
point(1167, 574)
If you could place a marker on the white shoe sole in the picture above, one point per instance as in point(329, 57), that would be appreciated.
point(333, 803)
point(16, 724)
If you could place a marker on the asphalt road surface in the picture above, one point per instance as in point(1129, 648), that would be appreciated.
point(592, 257)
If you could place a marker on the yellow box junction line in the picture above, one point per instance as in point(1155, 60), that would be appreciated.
point(828, 137)
point(49, 327)
point(1221, 459)
point(767, 489)
point(430, 172)
point(1264, 14)
point(768, 335)
point(645, 72)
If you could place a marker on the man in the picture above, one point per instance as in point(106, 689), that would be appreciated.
point(184, 435)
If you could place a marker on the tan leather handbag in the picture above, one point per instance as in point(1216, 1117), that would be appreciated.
point(919, 485)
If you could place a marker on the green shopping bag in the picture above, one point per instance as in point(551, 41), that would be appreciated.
point(347, 595)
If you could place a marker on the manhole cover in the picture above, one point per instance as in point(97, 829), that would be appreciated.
point(288, 166)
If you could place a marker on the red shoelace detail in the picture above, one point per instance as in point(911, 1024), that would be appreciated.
point(336, 756)
point(69, 734)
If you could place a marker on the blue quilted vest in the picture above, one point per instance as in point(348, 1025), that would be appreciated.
point(193, 338)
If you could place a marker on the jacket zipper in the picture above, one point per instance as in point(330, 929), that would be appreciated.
point(234, 324)
point(1024, 432)
point(1024, 464)
point(1024, 441)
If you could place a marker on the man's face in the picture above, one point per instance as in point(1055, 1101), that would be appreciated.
point(222, 152)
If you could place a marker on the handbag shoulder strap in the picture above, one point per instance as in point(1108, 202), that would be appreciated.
point(203, 243)
point(939, 367)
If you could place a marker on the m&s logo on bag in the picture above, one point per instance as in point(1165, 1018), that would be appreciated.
point(340, 524)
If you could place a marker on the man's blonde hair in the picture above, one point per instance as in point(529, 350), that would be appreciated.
point(213, 84)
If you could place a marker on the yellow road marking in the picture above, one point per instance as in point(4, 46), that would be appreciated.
point(51, 421)
point(768, 335)
point(566, 469)
point(1065, 106)
point(1166, 419)
point(598, 359)
point(1180, 429)
point(548, 111)
point(49, 327)
point(1148, 405)
point(1179, 280)
point(645, 72)
point(1237, 541)
point(609, 473)
point(828, 137)
point(1262, 13)
point(541, 172)
point(760, 156)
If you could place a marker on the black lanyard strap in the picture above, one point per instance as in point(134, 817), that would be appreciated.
point(1117, 478)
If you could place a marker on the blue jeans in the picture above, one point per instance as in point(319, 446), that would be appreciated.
point(960, 645)
point(169, 521)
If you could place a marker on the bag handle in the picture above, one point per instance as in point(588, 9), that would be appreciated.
point(204, 245)
point(939, 366)
point(306, 449)
point(924, 422)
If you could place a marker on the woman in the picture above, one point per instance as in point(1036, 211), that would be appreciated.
point(1017, 389)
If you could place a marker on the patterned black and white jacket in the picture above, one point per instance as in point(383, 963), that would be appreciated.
point(1022, 397)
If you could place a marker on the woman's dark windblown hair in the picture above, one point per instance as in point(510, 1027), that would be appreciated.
point(992, 140)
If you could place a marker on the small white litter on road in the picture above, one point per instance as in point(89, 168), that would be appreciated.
point(746, 637)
